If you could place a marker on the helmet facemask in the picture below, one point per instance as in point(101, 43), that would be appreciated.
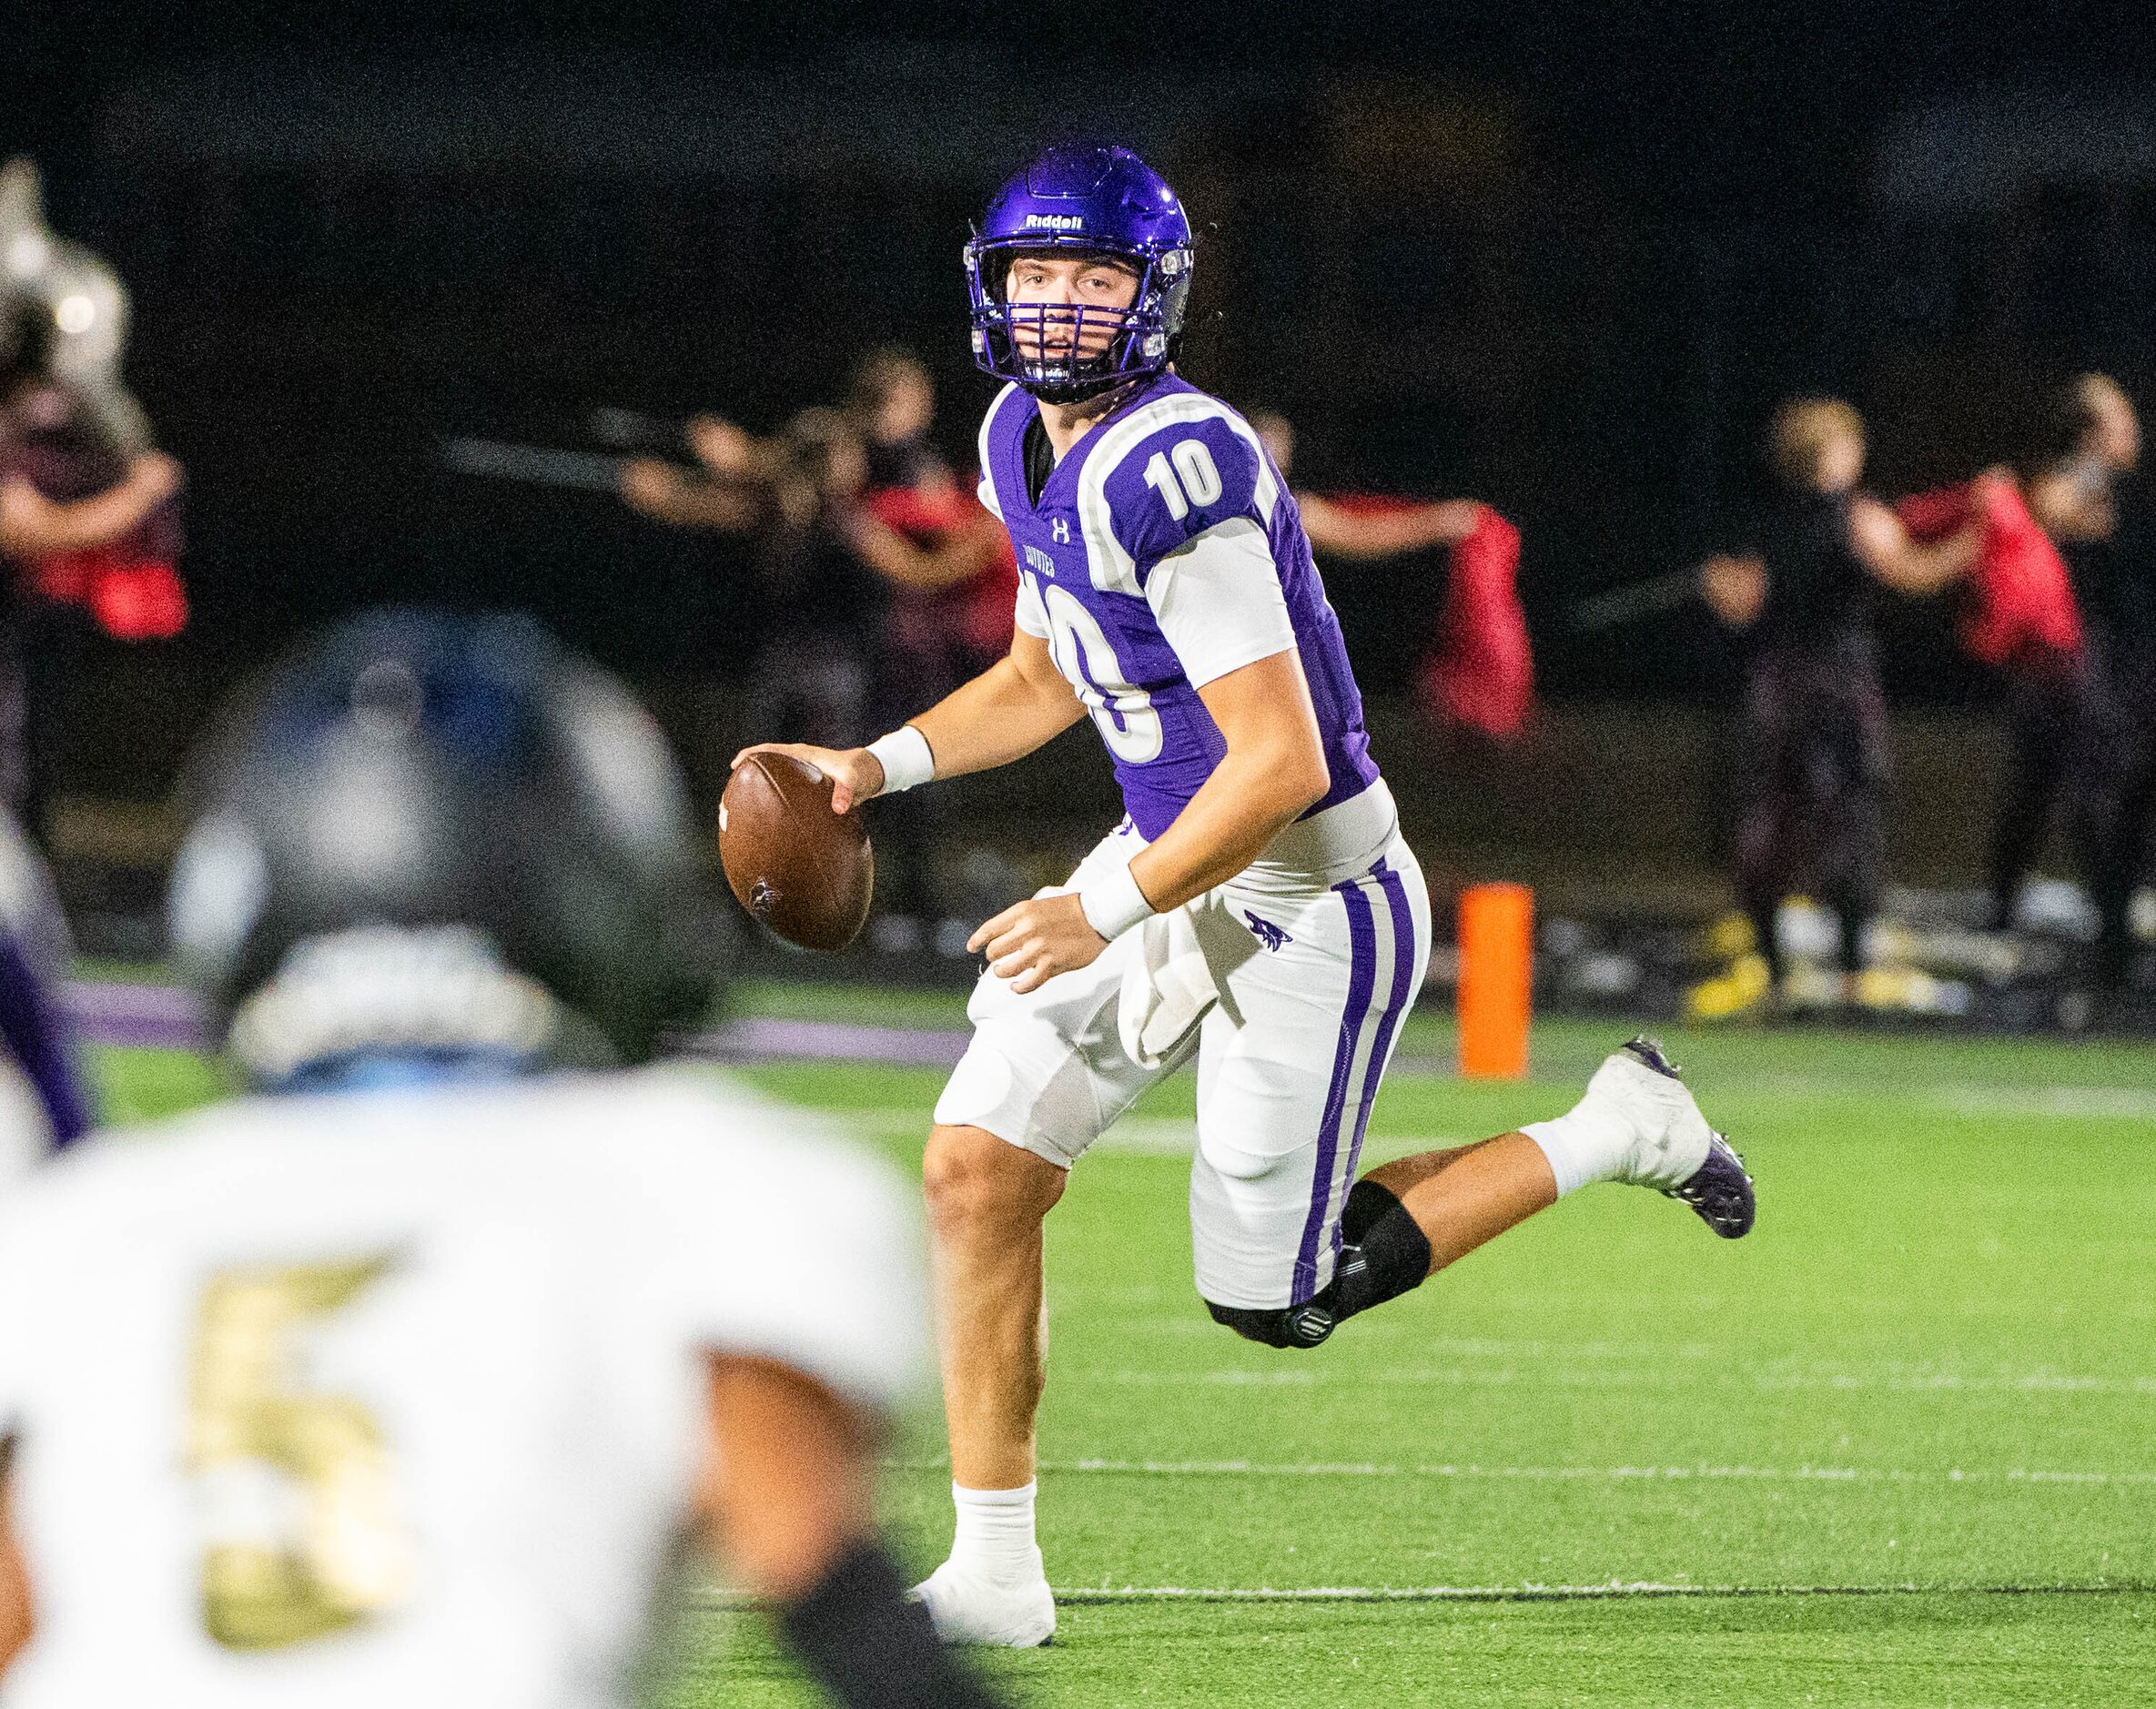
point(1044, 346)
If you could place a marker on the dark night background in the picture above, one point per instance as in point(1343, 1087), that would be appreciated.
point(1563, 256)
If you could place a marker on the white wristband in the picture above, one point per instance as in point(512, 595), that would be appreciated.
point(905, 757)
point(1113, 902)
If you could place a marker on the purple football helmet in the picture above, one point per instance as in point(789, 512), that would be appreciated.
point(1088, 200)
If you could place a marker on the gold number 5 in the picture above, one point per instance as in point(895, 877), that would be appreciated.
point(302, 1535)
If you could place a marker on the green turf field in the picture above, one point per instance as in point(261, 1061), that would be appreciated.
point(1898, 1448)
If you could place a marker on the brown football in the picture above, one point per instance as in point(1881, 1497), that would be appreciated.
point(804, 871)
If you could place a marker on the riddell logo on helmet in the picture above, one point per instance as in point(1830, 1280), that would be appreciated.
point(1054, 222)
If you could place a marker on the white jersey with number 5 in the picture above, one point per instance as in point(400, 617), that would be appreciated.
point(394, 1400)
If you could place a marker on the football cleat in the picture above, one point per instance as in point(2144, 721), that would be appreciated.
point(969, 1608)
point(1719, 1190)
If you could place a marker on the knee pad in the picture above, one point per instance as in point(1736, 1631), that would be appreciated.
point(1300, 1327)
point(1232, 1162)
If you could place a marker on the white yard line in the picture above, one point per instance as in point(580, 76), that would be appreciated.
point(2121, 1103)
point(1570, 1474)
point(1760, 1381)
point(716, 1598)
point(1615, 1589)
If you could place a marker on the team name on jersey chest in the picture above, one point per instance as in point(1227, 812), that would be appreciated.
point(1049, 542)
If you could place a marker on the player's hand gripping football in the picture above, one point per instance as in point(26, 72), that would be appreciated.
point(1033, 942)
point(856, 774)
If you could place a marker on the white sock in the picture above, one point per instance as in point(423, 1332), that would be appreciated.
point(995, 1534)
point(1588, 1144)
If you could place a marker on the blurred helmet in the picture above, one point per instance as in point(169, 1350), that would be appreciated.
point(443, 837)
point(1088, 200)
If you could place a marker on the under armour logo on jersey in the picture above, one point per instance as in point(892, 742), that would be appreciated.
point(1060, 529)
point(1266, 932)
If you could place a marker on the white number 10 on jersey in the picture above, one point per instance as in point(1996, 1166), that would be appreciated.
point(1123, 715)
point(1194, 480)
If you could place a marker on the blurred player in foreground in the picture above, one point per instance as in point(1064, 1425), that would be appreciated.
point(1258, 909)
point(401, 1381)
point(1812, 760)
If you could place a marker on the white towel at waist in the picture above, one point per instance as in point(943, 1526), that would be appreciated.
point(1167, 988)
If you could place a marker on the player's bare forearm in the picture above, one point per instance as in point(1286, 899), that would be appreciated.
point(1003, 714)
point(787, 1490)
point(1273, 769)
point(1236, 811)
point(785, 1503)
point(1015, 706)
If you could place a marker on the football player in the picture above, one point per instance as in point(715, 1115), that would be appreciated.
point(399, 1381)
point(1257, 908)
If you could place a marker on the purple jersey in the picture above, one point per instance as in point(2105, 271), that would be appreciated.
point(1141, 485)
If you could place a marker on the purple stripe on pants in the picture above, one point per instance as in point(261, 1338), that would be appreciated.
point(1362, 944)
point(1396, 1006)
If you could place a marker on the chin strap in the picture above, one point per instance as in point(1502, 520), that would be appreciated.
point(1084, 390)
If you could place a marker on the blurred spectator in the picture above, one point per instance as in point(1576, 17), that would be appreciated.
point(1477, 672)
point(1359, 526)
point(817, 607)
point(728, 494)
point(89, 535)
point(2088, 499)
point(880, 579)
point(892, 401)
point(1810, 781)
point(821, 608)
point(890, 407)
point(953, 582)
point(2023, 618)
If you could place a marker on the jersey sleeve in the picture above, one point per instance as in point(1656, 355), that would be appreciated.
point(1219, 601)
point(1032, 615)
point(1182, 480)
point(800, 1250)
